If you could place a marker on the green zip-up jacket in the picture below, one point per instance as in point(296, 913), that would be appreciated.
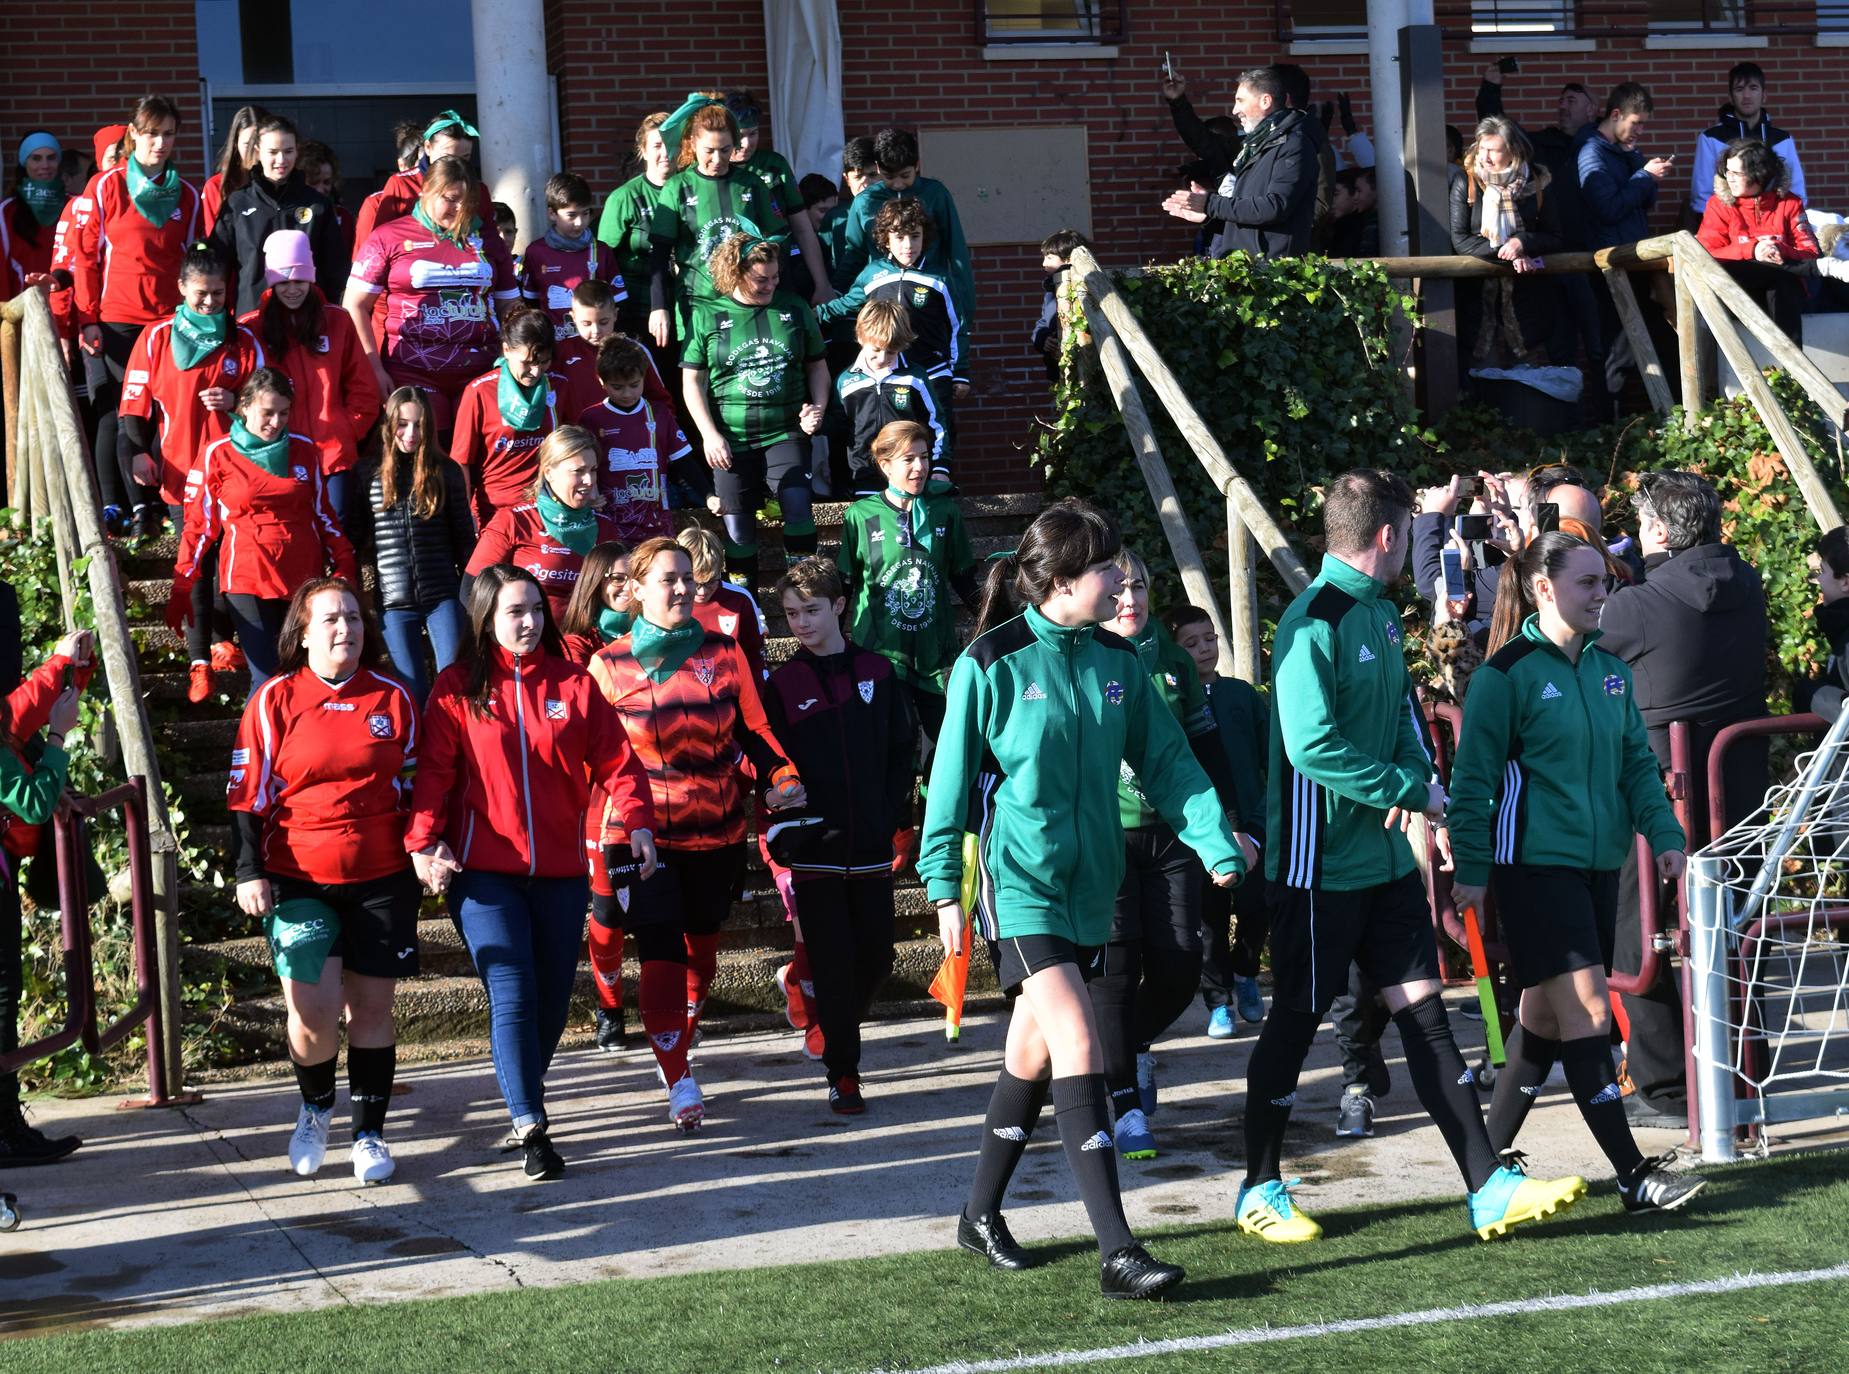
point(32, 793)
point(1244, 723)
point(1554, 764)
point(1173, 679)
point(1037, 718)
point(1347, 739)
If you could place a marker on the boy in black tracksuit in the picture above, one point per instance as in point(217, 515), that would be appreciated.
point(843, 720)
point(882, 387)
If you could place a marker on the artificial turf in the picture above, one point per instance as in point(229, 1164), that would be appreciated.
point(925, 1309)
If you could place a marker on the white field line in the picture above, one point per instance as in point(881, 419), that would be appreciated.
point(1431, 1316)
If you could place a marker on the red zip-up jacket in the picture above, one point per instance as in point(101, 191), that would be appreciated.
point(63, 241)
point(125, 270)
point(508, 791)
point(325, 770)
point(336, 399)
point(278, 531)
point(695, 733)
point(1731, 229)
point(502, 463)
point(391, 201)
point(519, 536)
point(153, 381)
point(18, 258)
point(28, 707)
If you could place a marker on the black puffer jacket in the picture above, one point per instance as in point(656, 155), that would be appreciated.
point(420, 562)
point(258, 209)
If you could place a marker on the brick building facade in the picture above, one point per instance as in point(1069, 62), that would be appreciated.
point(614, 60)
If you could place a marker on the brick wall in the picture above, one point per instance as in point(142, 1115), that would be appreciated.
point(83, 64)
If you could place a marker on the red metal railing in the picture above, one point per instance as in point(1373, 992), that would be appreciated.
point(78, 941)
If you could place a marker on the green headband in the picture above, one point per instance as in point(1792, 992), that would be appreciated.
point(449, 119)
point(672, 126)
point(749, 237)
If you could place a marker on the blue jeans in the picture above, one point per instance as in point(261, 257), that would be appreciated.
point(340, 487)
point(524, 935)
point(444, 624)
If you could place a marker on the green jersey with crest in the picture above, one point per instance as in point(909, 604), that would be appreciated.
point(756, 359)
point(900, 578)
point(697, 213)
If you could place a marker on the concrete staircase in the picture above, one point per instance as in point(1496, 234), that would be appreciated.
point(443, 1011)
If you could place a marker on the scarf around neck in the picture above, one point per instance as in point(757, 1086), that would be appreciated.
point(154, 197)
point(272, 457)
point(43, 198)
point(554, 239)
point(661, 652)
point(575, 529)
point(1261, 137)
point(614, 624)
point(521, 407)
point(1500, 220)
point(197, 337)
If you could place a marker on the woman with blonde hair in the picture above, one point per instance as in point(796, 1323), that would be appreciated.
point(1501, 212)
point(550, 534)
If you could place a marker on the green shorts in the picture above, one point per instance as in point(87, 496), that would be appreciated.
point(302, 933)
point(370, 926)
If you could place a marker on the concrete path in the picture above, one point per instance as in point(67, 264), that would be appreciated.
point(176, 1215)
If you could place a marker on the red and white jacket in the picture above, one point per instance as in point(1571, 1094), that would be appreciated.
point(327, 767)
point(124, 269)
point(519, 536)
point(391, 201)
point(502, 463)
point(734, 611)
point(154, 384)
point(63, 292)
point(336, 399)
point(508, 791)
point(18, 258)
point(28, 708)
point(278, 531)
point(549, 275)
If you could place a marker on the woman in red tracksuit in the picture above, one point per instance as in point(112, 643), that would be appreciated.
point(336, 398)
point(125, 264)
point(259, 491)
point(690, 702)
point(515, 737)
point(107, 144)
point(550, 532)
point(28, 216)
point(504, 415)
point(317, 793)
point(180, 388)
point(446, 280)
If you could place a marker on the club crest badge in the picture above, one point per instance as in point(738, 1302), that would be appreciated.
point(866, 691)
point(1614, 685)
point(1114, 692)
point(555, 709)
point(379, 725)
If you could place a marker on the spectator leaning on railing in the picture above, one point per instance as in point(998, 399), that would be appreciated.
point(1755, 228)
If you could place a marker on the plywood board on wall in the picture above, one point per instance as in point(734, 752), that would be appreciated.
point(1013, 184)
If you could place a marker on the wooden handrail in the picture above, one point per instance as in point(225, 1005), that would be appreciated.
point(1646, 255)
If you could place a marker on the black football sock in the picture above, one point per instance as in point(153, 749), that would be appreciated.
point(1587, 1062)
point(1091, 1154)
point(370, 1072)
point(1445, 1088)
point(1271, 1087)
point(1014, 1108)
point(317, 1083)
point(1530, 1059)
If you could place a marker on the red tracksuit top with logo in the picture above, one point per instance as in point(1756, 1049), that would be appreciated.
point(734, 612)
point(549, 275)
point(502, 463)
point(126, 270)
point(517, 535)
point(634, 448)
point(508, 792)
point(336, 399)
point(694, 733)
point(576, 361)
point(328, 768)
point(154, 383)
point(277, 531)
point(440, 297)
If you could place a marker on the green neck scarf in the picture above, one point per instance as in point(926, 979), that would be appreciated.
point(614, 624)
point(575, 529)
point(459, 235)
point(522, 407)
point(154, 197)
point(272, 457)
point(920, 519)
point(661, 652)
point(43, 198)
point(197, 337)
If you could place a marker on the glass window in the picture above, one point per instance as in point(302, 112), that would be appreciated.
point(1051, 21)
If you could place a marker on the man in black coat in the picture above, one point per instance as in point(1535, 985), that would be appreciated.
point(1694, 634)
point(1271, 207)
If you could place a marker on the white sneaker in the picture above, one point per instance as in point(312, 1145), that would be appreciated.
point(372, 1161)
point(686, 1107)
point(308, 1146)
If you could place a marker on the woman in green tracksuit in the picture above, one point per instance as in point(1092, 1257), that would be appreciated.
point(1040, 711)
point(1553, 777)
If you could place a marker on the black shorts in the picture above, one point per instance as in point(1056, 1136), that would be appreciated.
point(1159, 901)
point(1555, 920)
point(693, 888)
point(758, 472)
point(1315, 936)
point(378, 920)
point(1022, 955)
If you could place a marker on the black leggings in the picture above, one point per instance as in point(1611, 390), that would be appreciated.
point(1234, 925)
point(211, 622)
point(848, 930)
point(104, 373)
point(12, 976)
point(1153, 964)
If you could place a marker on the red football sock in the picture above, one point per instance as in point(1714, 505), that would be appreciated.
point(803, 981)
point(658, 997)
point(702, 963)
point(606, 948)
